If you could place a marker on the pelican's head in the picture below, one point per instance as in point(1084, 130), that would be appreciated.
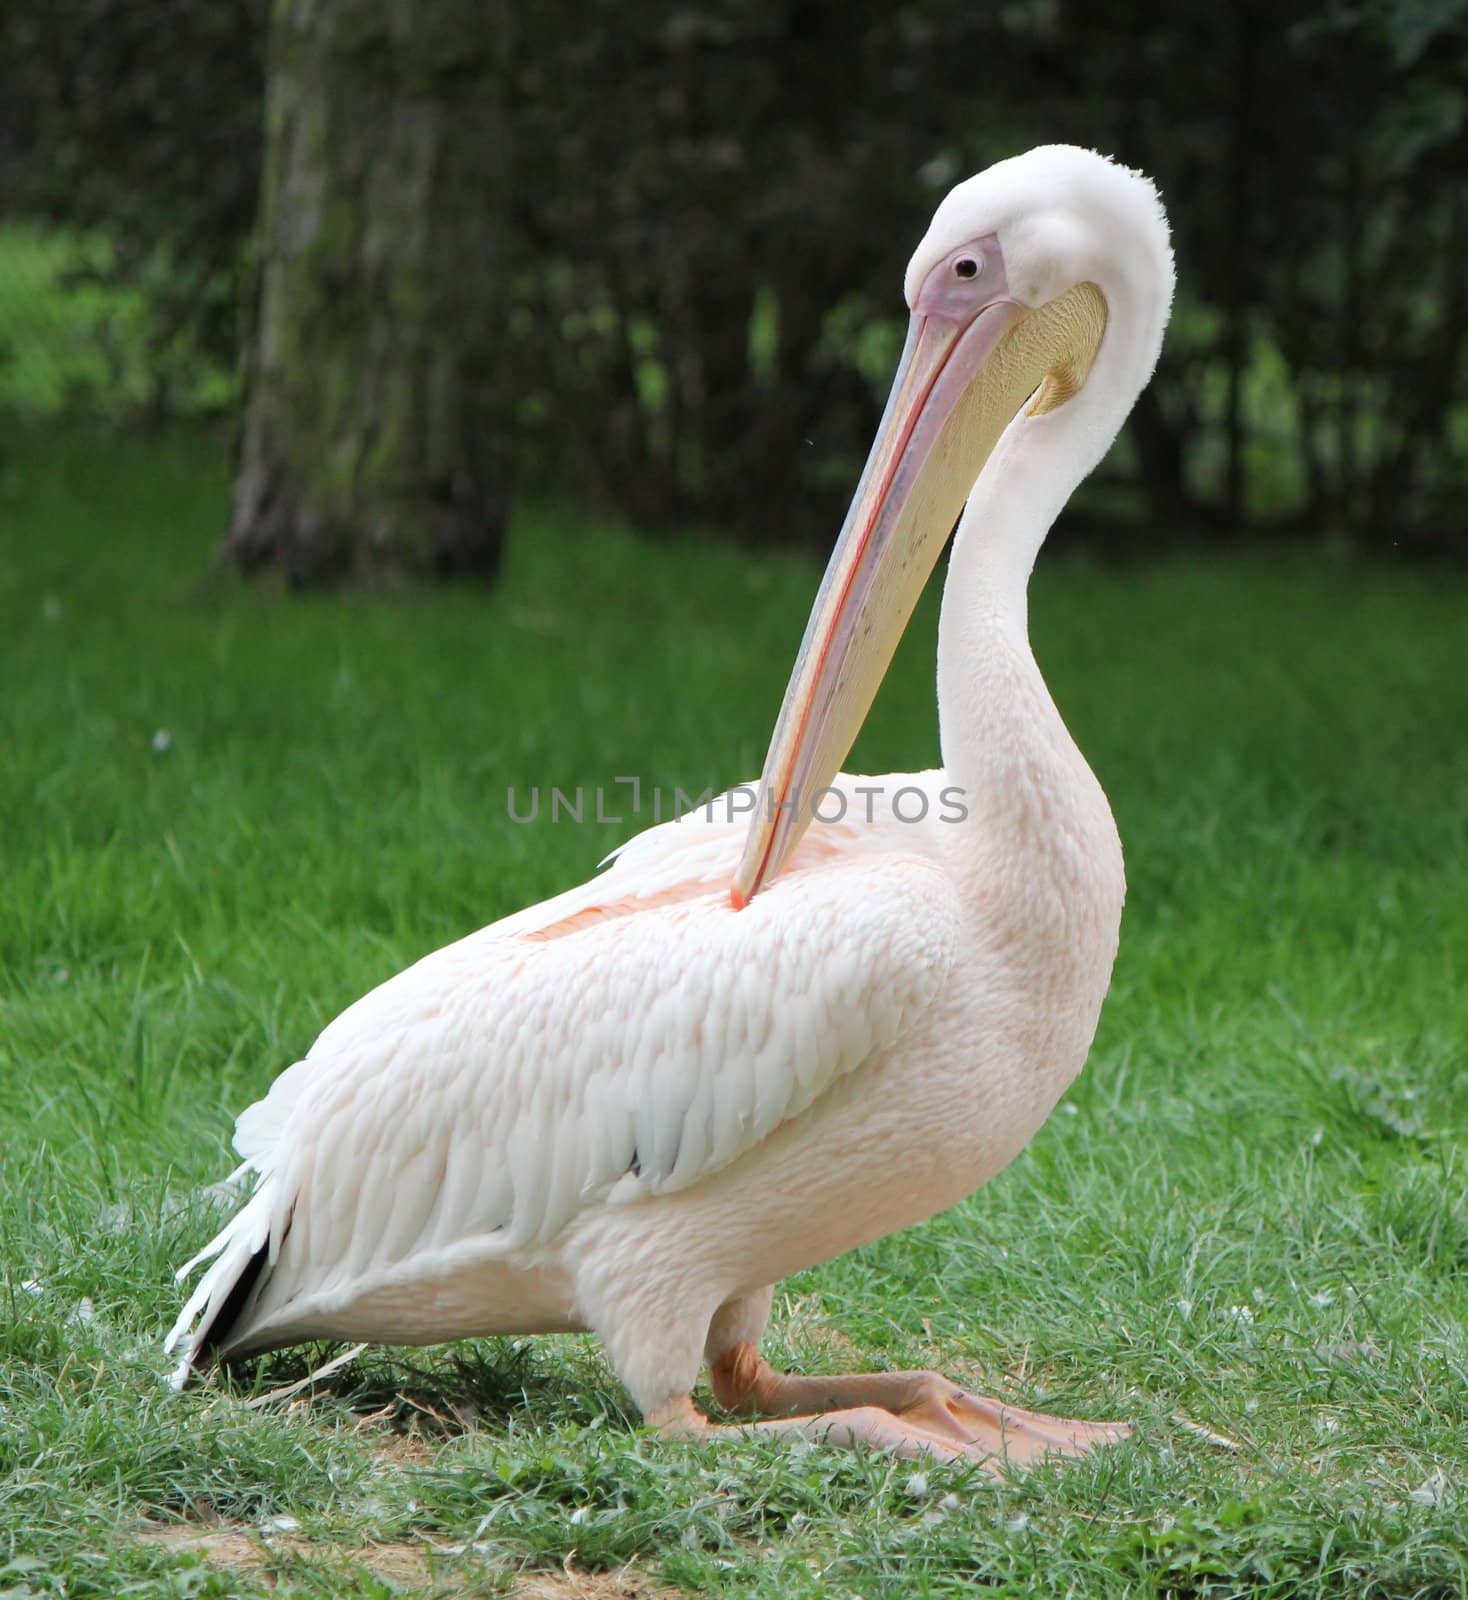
point(1011, 294)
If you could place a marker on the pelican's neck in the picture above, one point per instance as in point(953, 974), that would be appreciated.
point(1002, 736)
point(996, 718)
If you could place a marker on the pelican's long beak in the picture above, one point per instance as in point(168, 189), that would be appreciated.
point(959, 384)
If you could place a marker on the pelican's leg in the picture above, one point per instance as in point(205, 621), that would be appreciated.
point(907, 1413)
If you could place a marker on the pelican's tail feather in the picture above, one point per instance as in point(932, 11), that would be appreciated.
point(240, 1252)
point(249, 1243)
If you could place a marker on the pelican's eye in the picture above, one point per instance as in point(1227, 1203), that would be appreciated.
point(966, 267)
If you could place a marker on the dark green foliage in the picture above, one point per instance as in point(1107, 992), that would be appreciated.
point(712, 204)
point(144, 121)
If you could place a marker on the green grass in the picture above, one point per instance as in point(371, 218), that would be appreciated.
point(1250, 1213)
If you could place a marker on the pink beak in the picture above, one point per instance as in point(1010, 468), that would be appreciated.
point(900, 518)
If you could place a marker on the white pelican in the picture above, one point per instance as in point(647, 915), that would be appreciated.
point(636, 1107)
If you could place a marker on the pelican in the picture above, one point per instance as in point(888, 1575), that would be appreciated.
point(761, 1039)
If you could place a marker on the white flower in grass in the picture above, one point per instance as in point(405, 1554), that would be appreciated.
point(579, 1516)
point(1432, 1491)
point(916, 1487)
point(945, 1507)
point(1323, 1298)
point(1243, 1315)
point(162, 741)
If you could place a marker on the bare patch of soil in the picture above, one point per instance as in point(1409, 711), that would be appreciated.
point(416, 1569)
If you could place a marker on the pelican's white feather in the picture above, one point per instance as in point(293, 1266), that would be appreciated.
point(628, 1038)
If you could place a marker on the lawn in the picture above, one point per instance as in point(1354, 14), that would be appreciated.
point(227, 812)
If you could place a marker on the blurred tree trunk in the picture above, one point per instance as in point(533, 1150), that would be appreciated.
point(376, 436)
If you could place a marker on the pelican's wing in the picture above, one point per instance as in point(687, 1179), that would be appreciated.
point(630, 1037)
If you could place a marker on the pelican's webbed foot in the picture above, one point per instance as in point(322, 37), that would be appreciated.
point(912, 1414)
